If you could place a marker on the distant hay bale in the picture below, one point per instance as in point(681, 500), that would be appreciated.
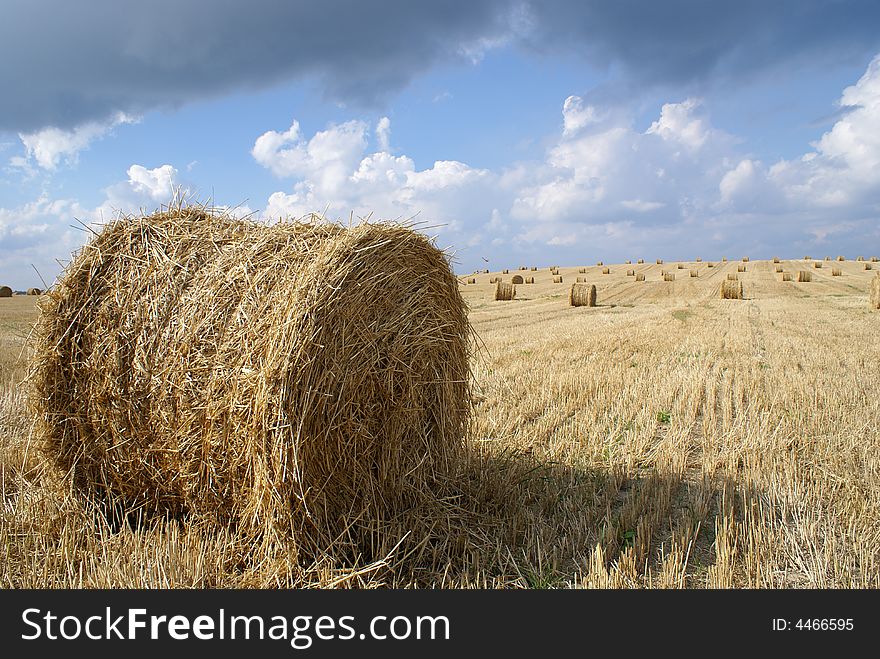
point(724, 259)
point(606, 271)
point(599, 263)
point(522, 267)
point(659, 261)
point(740, 268)
point(732, 277)
point(786, 276)
point(640, 276)
point(530, 280)
point(486, 271)
point(680, 266)
point(745, 259)
point(582, 295)
point(817, 264)
point(494, 280)
point(505, 272)
point(860, 258)
point(841, 258)
point(5, 291)
point(472, 280)
point(835, 272)
point(557, 279)
point(640, 261)
point(504, 291)
point(582, 270)
point(516, 279)
point(534, 269)
point(778, 268)
point(710, 265)
point(808, 258)
point(581, 280)
point(775, 259)
point(868, 266)
point(875, 292)
point(628, 262)
point(699, 260)
point(805, 276)
point(300, 380)
point(731, 290)
point(669, 276)
point(630, 273)
point(35, 291)
point(874, 259)
point(695, 273)
point(827, 258)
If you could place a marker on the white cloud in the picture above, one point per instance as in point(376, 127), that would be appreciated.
point(575, 115)
point(50, 145)
point(641, 206)
point(383, 134)
point(678, 123)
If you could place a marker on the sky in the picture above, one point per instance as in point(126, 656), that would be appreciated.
point(517, 133)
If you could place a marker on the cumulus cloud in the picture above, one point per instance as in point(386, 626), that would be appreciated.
point(48, 146)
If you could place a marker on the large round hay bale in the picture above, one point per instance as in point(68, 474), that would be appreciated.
point(516, 279)
point(640, 261)
point(805, 275)
point(817, 264)
point(472, 280)
point(630, 273)
point(731, 276)
point(582, 270)
point(731, 290)
point(34, 291)
point(581, 280)
point(640, 276)
point(606, 271)
point(659, 261)
point(582, 295)
point(786, 276)
point(669, 276)
point(695, 273)
point(868, 266)
point(530, 280)
point(300, 379)
point(557, 279)
point(534, 269)
point(836, 272)
point(740, 268)
point(504, 291)
point(5, 291)
point(775, 259)
point(745, 259)
point(875, 292)
point(779, 268)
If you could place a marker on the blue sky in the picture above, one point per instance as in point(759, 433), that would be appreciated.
point(525, 133)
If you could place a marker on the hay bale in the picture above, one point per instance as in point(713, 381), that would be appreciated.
point(740, 268)
point(516, 279)
point(494, 280)
point(732, 277)
point(699, 260)
point(695, 273)
point(860, 258)
point(640, 261)
point(874, 259)
point(710, 265)
point(606, 271)
point(778, 268)
point(640, 276)
point(297, 380)
point(745, 259)
point(808, 258)
point(786, 276)
point(5, 291)
point(835, 272)
point(731, 290)
point(669, 276)
point(530, 280)
point(775, 259)
point(827, 258)
point(875, 292)
point(628, 262)
point(472, 280)
point(534, 269)
point(805, 276)
point(582, 295)
point(630, 273)
point(724, 259)
point(504, 291)
point(522, 267)
point(582, 270)
point(868, 266)
point(557, 279)
point(35, 291)
point(817, 264)
point(680, 266)
point(505, 272)
point(841, 258)
point(599, 263)
point(581, 280)
point(659, 261)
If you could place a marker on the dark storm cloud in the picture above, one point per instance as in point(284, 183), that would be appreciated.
point(63, 63)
